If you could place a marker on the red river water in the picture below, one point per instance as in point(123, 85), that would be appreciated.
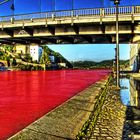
point(27, 95)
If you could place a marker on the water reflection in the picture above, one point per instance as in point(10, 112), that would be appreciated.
point(124, 93)
point(134, 92)
point(130, 92)
point(130, 96)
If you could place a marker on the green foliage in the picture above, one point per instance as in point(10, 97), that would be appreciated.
point(27, 58)
point(8, 48)
point(29, 67)
point(14, 63)
point(93, 64)
point(58, 57)
point(45, 55)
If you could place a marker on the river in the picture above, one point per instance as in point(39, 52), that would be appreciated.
point(25, 96)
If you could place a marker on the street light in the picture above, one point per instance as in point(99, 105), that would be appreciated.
point(117, 2)
point(72, 4)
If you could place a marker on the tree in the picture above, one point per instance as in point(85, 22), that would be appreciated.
point(45, 57)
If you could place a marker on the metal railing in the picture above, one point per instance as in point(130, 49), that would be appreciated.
point(75, 13)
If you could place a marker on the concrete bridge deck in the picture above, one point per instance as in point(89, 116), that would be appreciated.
point(73, 27)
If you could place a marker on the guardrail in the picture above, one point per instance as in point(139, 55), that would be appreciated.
point(75, 13)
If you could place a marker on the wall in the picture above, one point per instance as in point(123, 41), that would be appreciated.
point(134, 56)
point(21, 49)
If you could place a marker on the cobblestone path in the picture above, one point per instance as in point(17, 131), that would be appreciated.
point(111, 120)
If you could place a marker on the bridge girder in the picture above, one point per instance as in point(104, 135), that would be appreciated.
point(72, 29)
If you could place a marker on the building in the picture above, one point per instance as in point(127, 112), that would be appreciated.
point(62, 65)
point(135, 57)
point(21, 49)
point(35, 52)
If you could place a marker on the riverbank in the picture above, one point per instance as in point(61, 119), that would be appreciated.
point(110, 124)
point(65, 121)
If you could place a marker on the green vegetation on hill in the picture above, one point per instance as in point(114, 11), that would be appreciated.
point(24, 61)
point(58, 57)
point(102, 64)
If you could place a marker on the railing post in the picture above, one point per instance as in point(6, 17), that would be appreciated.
point(46, 19)
point(101, 15)
point(12, 20)
point(133, 10)
point(2, 23)
point(23, 24)
point(72, 15)
point(53, 16)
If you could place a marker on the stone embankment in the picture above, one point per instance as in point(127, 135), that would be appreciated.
point(109, 123)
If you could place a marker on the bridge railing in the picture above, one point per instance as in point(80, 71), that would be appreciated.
point(75, 13)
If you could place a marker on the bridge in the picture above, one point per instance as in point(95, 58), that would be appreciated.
point(72, 26)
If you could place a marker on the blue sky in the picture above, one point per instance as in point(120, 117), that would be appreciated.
point(94, 52)
point(30, 6)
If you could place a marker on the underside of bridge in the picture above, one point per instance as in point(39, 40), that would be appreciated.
point(83, 39)
point(67, 34)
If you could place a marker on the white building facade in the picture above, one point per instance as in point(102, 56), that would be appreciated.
point(35, 52)
point(134, 57)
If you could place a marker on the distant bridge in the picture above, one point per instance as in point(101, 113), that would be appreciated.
point(72, 27)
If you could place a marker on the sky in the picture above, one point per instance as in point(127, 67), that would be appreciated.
point(93, 52)
point(30, 6)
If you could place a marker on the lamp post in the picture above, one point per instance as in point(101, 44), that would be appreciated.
point(117, 2)
point(54, 5)
point(72, 5)
point(40, 4)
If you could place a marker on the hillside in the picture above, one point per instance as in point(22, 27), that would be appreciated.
point(24, 61)
point(58, 57)
point(93, 64)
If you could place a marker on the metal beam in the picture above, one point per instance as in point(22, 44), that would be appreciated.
point(66, 39)
point(8, 32)
point(76, 29)
point(89, 39)
point(51, 29)
point(29, 31)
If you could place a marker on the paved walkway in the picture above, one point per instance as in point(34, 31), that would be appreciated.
point(111, 120)
point(65, 121)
